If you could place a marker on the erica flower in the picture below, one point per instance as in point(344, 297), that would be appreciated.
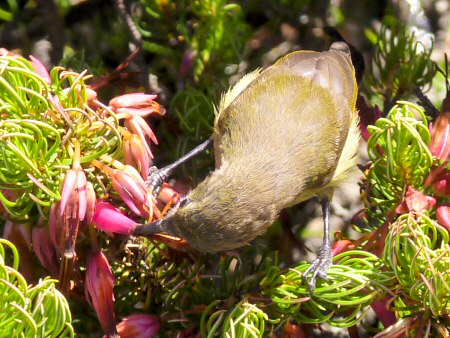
point(99, 291)
point(74, 192)
point(108, 218)
point(135, 153)
point(45, 250)
point(56, 228)
point(130, 186)
point(439, 180)
point(40, 69)
point(133, 108)
point(139, 326)
point(443, 216)
point(73, 206)
point(440, 132)
point(137, 125)
point(368, 115)
point(132, 189)
point(136, 104)
point(91, 202)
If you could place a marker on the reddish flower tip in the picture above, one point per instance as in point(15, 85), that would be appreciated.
point(443, 216)
point(99, 291)
point(415, 201)
point(368, 115)
point(139, 326)
point(440, 132)
point(40, 69)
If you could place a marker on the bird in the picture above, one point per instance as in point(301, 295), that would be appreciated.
point(281, 136)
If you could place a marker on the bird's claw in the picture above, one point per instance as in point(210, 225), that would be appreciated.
point(155, 179)
point(318, 268)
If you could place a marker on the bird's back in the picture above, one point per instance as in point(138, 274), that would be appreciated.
point(289, 124)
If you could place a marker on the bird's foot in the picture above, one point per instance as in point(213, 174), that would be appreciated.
point(155, 179)
point(319, 267)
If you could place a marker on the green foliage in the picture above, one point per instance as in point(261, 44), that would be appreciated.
point(197, 39)
point(401, 62)
point(398, 149)
point(26, 310)
point(7, 14)
point(243, 320)
point(195, 44)
point(355, 280)
point(417, 250)
point(38, 123)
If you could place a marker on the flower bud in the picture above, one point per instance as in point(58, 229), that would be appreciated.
point(135, 152)
point(139, 326)
point(137, 125)
point(132, 189)
point(136, 104)
point(99, 291)
point(341, 246)
point(91, 202)
point(40, 69)
point(74, 192)
point(443, 216)
point(45, 250)
point(440, 132)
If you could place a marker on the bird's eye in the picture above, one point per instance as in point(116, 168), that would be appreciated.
point(184, 202)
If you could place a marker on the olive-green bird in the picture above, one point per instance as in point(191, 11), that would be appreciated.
point(281, 136)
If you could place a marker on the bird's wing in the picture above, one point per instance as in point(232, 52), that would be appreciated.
point(332, 70)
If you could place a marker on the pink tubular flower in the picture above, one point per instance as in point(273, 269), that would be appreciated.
point(439, 180)
point(91, 202)
point(13, 230)
point(132, 189)
point(443, 216)
point(133, 108)
point(138, 126)
point(40, 69)
point(136, 104)
point(20, 235)
point(99, 291)
point(440, 132)
point(130, 186)
point(368, 115)
point(187, 62)
point(108, 218)
point(71, 210)
point(139, 326)
point(74, 191)
point(385, 315)
point(45, 250)
point(135, 152)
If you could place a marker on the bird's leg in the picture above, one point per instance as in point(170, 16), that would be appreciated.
point(323, 261)
point(158, 176)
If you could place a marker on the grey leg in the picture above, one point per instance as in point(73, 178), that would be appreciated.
point(323, 261)
point(158, 176)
